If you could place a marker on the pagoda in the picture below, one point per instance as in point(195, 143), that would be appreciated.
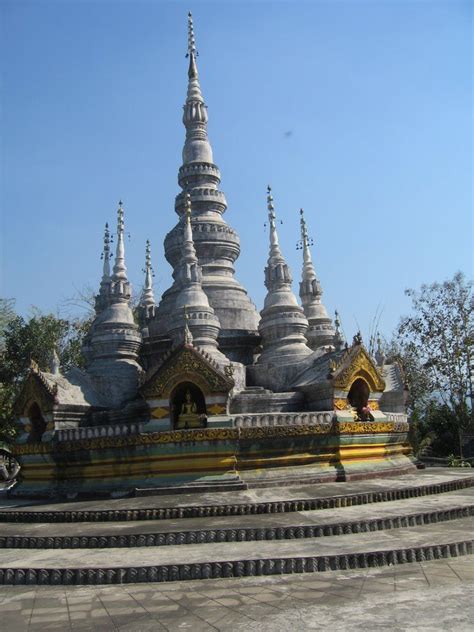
point(198, 389)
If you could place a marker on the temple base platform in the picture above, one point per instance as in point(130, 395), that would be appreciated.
point(213, 458)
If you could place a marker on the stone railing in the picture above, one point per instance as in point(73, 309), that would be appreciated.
point(396, 417)
point(257, 420)
point(91, 432)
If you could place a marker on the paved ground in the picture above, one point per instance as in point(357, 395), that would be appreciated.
point(427, 596)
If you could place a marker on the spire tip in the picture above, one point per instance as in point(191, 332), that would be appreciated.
point(191, 39)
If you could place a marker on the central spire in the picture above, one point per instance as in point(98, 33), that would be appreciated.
point(216, 244)
point(196, 147)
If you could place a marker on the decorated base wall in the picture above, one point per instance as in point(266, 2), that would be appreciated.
point(257, 456)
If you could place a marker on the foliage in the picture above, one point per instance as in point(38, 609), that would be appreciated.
point(33, 339)
point(455, 461)
point(7, 314)
point(435, 347)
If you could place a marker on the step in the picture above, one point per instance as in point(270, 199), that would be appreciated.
point(305, 524)
point(201, 561)
point(193, 487)
point(245, 502)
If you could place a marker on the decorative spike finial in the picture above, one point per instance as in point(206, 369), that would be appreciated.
point(188, 233)
point(188, 337)
point(338, 337)
point(379, 352)
point(305, 242)
point(54, 362)
point(148, 255)
point(148, 298)
point(106, 254)
point(271, 208)
point(191, 38)
point(357, 339)
point(187, 207)
point(272, 222)
point(304, 230)
point(120, 214)
point(120, 271)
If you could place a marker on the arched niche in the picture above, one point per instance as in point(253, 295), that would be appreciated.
point(187, 406)
point(37, 423)
point(358, 398)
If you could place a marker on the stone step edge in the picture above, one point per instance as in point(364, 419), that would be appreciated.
point(236, 509)
point(219, 486)
point(233, 534)
point(235, 568)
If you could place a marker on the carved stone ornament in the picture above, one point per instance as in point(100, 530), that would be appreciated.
point(357, 363)
point(186, 364)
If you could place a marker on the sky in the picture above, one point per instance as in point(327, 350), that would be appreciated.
point(357, 111)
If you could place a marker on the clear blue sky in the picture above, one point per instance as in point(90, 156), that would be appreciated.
point(358, 111)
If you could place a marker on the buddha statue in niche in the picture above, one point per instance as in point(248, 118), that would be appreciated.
point(188, 416)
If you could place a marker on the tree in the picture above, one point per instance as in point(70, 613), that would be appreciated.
point(34, 339)
point(436, 346)
point(7, 314)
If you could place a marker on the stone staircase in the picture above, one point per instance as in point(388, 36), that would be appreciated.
point(309, 528)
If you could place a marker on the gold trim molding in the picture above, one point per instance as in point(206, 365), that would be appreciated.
point(212, 434)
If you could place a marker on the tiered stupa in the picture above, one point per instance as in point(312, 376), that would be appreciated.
point(283, 324)
point(198, 390)
point(112, 345)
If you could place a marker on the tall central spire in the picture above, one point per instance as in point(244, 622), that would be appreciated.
point(216, 244)
point(197, 147)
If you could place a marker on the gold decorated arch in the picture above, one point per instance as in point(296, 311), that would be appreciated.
point(358, 365)
point(186, 365)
